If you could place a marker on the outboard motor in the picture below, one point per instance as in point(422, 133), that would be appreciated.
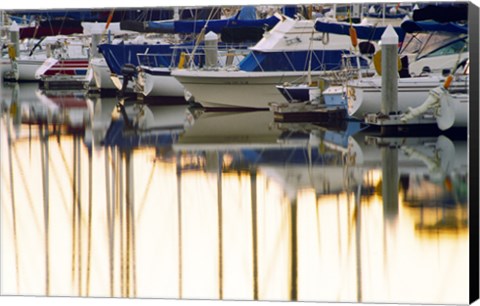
point(128, 71)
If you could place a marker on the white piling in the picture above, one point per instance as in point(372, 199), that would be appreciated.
point(211, 49)
point(97, 33)
point(389, 43)
point(14, 31)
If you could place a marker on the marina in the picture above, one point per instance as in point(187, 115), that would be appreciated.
point(313, 153)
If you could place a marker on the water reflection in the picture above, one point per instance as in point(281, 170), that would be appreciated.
point(192, 204)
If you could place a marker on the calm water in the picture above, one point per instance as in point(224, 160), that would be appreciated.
point(224, 206)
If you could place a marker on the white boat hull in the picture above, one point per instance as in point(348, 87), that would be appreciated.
point(26, 68)
point(235, 89)
point(365, 96)
point(102, 74)
point(158, 82)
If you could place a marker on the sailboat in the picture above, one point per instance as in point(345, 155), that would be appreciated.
point(280, 56)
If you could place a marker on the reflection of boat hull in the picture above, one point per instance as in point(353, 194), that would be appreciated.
point(438, 150)
point(70, 108)
point(150, 125)
point(324, 179)
point(212, 130)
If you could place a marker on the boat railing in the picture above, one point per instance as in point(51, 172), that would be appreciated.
point(228, 56)
point(290, 66)
point(155, 60)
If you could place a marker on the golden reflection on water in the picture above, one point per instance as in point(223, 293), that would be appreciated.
point(131, 223)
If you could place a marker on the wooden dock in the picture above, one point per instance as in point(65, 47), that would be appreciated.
point(308, 112)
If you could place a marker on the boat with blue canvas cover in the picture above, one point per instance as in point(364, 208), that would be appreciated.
point(155, 69)
point(159, 57)
point(285, 54)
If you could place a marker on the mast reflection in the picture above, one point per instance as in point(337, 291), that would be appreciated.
point(228, 206)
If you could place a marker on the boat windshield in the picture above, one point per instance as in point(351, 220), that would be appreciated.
point(454, 47)
point(433, 44)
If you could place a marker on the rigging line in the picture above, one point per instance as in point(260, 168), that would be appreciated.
point(200, 35)
point(458, 58)
point(50, 24)
point(109, 20)
point(63, 22)
point(310, 54)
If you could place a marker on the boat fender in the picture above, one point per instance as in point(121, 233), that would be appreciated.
point(181, 61)
point(325, 38)
point(377, 62)
point(12, 53)
point(448, 81)
point(445, 113)
point(353, 37)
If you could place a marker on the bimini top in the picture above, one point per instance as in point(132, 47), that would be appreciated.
point(242, 19)
point(432, 26)
point(442, 12)
point(370, 32)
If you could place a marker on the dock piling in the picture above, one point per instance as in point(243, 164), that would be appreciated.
point(14, 31)
point(211, 50)
point(389, 43)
